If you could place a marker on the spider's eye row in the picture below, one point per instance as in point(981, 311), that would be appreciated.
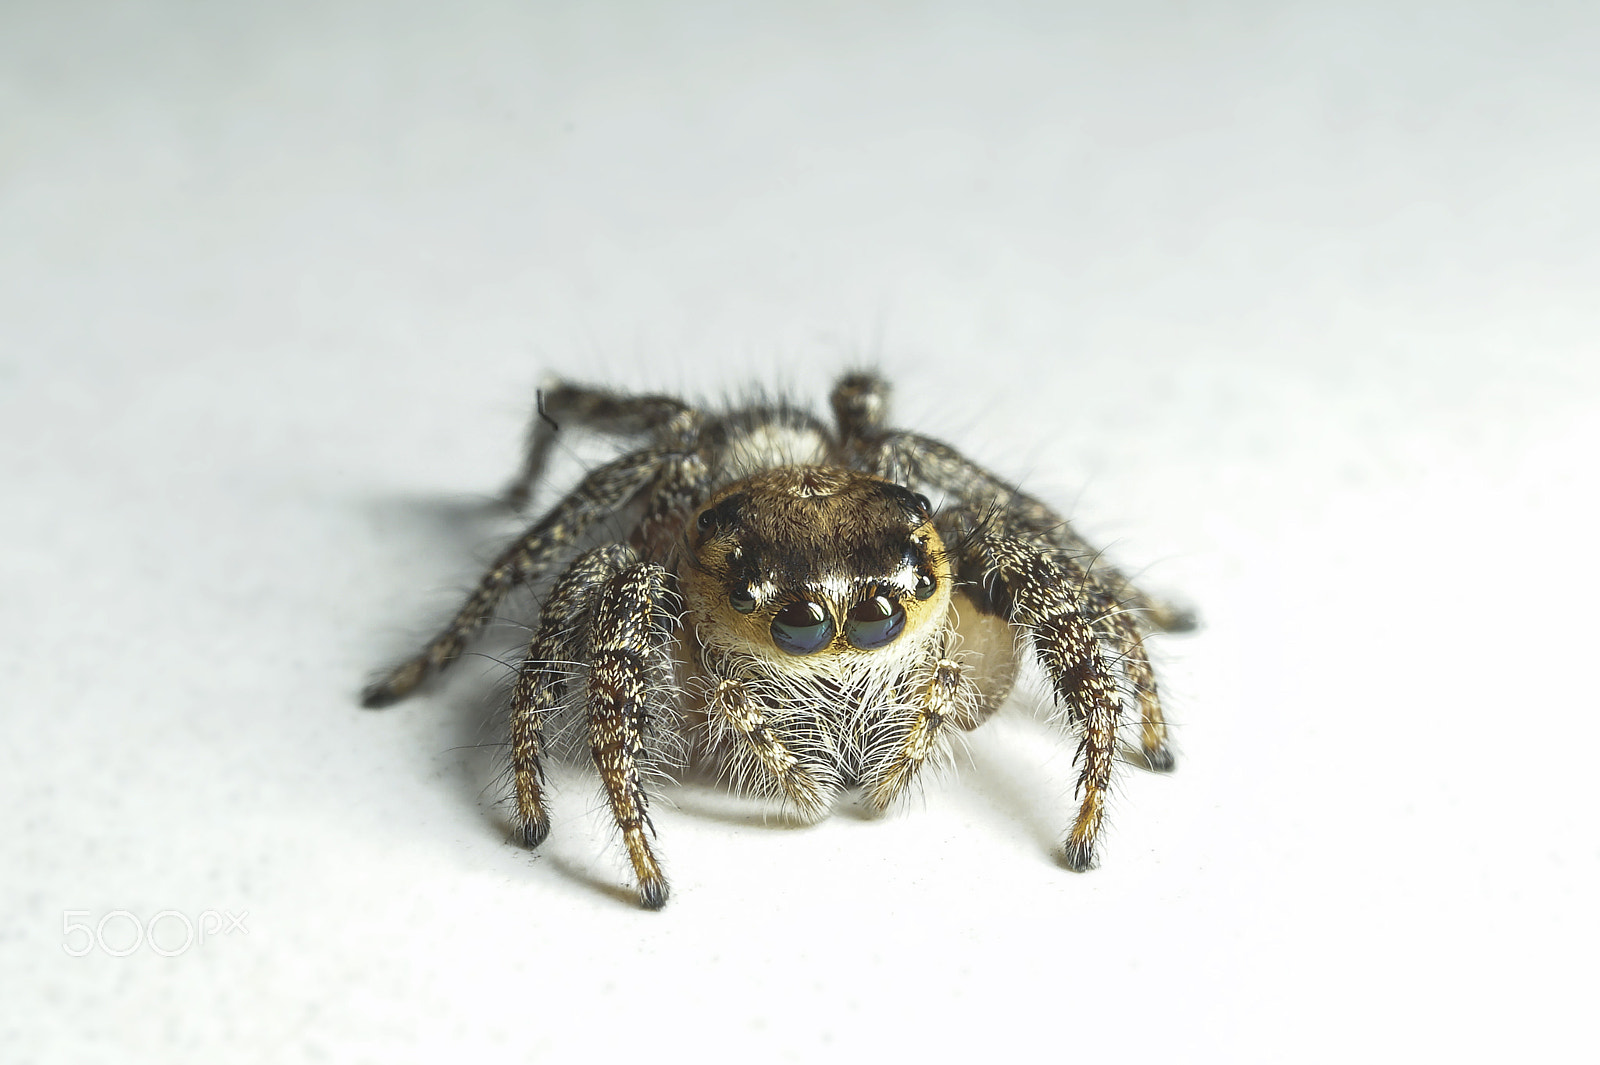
point(925, 585)
point(874, 622)
point(742, 599)
point(801, 628)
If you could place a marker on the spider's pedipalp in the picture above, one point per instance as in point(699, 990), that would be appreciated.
point(808, 783)
point(948, 699)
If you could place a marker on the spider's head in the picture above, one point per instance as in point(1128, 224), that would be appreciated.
point(806, 561)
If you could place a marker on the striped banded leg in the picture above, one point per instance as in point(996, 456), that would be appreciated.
point(1045, 596)
point(554, 655)
point(1003, 508)
point(596, 409)
point(629, 670)
point(860, 404)
point(1153, 745)
point(597, 496)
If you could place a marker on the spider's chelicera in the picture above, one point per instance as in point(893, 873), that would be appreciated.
point(787, 598)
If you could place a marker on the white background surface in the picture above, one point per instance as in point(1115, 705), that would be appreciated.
point(1292, 305)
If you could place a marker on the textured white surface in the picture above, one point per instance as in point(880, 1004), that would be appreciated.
point(1292, 304)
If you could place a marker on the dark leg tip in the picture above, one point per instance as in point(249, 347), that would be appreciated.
point(396, 686)
point(534, 832)
point(1079, 857)
point(378, 696)
point(1179, 620)
point(1160, 760)
point(653, 894)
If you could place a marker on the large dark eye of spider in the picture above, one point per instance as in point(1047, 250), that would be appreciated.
point(801, 628)
point(874, 622)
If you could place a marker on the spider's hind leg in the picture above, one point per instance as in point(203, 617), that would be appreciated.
point(562, 406)
point(1155, 750)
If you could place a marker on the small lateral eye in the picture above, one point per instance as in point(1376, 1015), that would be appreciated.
point(706, 521)
point(874, 622)
point(742, 599)
point(925, 585)
point(802, 628)
point(924, 503)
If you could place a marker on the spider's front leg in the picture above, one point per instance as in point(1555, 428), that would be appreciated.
point(1082, 654)
point(554, 656)
point(988, 506)
point(630, 672)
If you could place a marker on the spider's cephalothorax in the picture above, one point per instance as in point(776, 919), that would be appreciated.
point(789, 599)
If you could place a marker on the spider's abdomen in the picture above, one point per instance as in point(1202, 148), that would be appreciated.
point(784, 438)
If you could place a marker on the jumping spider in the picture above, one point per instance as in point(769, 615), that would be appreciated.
point(781, 593)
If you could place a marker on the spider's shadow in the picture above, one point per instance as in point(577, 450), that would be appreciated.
point(1023, 791)
point(448, 520)
point(700, 794)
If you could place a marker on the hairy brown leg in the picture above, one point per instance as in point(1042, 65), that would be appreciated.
point(554, 655)
point(564, 406)
point(630, 669)
point(860, 404)
point(1154, 747)
point(912, 459)
point(1076, 648)
point(597, 496)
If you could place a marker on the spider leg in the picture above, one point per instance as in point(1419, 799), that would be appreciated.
point(1153, 746)
point(947, 699)
point(1078, 649)
point(562, 406)
point(910, 458)
point(630, 666)
point(860, 405)
point(597, 496)
point(807, 783)
point(542, 680)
